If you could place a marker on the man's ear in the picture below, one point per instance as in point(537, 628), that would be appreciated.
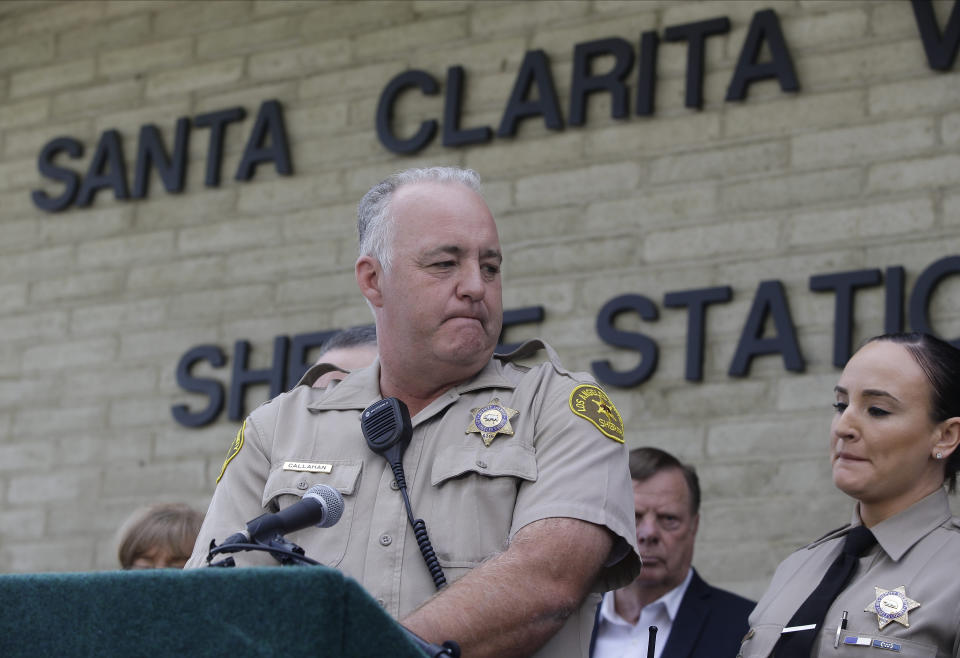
point(370, 278)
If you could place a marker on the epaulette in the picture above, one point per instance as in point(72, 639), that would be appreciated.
point(528, 349)
point(316, 371)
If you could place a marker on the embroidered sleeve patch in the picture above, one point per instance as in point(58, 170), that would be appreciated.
point(588, 401)
point(234, 449)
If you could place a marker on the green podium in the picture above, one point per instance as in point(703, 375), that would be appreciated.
point(283, 611)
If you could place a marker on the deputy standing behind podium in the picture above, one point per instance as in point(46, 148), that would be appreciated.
point(519, 472)
point(694, 619)
point(893, 445)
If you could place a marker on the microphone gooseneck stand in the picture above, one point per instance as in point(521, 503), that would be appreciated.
point(283, 551)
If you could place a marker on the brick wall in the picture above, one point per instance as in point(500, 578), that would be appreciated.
point(859, 169)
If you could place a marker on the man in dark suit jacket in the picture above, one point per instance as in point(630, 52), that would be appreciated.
point(694, 619)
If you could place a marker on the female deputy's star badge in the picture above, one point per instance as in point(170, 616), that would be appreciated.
point(491, 420)
point(892, 605)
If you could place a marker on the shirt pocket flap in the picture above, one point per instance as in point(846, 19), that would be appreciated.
point(343, 476)
point(511, 460)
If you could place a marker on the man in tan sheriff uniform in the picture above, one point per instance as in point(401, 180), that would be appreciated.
point(519, 472)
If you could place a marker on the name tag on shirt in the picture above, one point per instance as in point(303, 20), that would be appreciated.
point(308, 467)
point(863, 641)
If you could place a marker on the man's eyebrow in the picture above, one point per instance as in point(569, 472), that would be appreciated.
point(492, 253)
point(447, 249)
point(454, 250)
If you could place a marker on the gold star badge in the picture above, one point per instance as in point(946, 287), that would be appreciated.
point(892, 605)
point(490, 420)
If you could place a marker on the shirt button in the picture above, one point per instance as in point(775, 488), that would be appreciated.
point(481, 463)
point(394, 485)
point(386, 540)
point(302, 484)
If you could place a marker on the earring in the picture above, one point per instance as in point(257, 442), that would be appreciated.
point(939, 455)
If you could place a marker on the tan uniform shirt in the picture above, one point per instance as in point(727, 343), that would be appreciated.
point(473, 497)
point(918, 549)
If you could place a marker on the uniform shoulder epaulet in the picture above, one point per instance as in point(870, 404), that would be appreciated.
point(528, 349)
point(524, 350)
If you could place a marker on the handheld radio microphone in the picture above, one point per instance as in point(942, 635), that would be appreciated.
point(387, 428)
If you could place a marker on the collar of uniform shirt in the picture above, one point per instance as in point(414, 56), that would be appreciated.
point(900, 532)
point(671, 601)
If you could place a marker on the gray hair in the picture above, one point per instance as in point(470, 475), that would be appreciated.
point(374, 223)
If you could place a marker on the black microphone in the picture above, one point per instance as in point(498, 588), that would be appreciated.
point(321, 506)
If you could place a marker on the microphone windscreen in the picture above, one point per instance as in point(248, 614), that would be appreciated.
point(332, 500)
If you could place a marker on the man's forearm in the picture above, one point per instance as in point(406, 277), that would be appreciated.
point(515, 602)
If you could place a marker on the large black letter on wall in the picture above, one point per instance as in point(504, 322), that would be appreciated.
point(109, 156)
point(941, 50)
point(647, 73)
point(695, 34)
point(696, 301)
point(209, 387)
point(649, 353)
point(269, 121)
point(299, 347)
point(453, 135)
point(514, 317)
point(584, 83)
point(534, 68)
point(415, 78)
point(845, 284)
point(242, 377)
point(923, 290)
point(765, 26)
point(893, 298)
point(217, 122)
point(70, 178)
point(150, 151)
point(770, 301)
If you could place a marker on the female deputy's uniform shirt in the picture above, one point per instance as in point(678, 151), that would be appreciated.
point(564, 458)
point(904, 598)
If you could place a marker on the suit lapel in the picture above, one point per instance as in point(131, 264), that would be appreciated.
point(691, 616)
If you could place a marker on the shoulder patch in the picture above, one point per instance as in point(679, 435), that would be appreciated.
point(234, 449)
point(590, 402)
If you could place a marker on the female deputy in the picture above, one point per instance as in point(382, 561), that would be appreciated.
point(888, 583)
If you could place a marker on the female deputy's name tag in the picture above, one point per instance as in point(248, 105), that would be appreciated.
point(876, 643)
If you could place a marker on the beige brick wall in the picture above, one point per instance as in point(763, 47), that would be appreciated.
point(859, 169)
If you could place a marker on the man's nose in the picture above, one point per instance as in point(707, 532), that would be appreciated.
point(647, 532)
point(471, 284)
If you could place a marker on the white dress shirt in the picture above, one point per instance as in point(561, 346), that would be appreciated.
point(618, 638)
